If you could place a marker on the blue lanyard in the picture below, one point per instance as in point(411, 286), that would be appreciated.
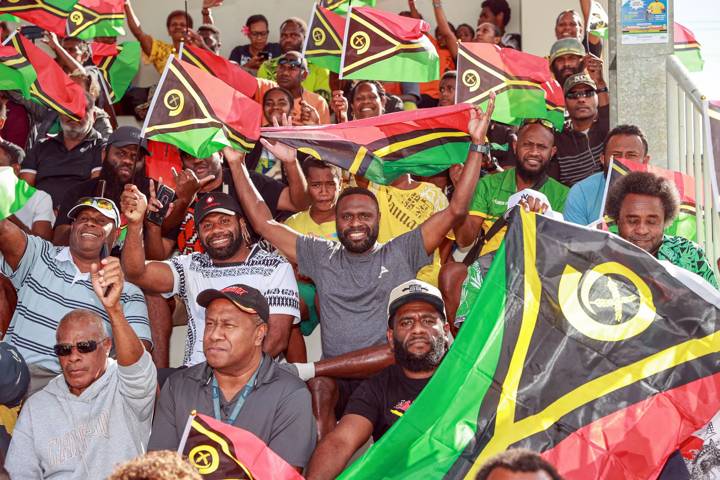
point(240, 400)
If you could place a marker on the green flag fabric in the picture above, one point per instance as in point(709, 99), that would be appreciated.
point(341, 6)
point(14, 193)
point(16, 73)
point(581, 347)
point(119, 70)
point(96, 18)
point(389, 47)
point(49, 15)
point(687, 48)
point(323, 45)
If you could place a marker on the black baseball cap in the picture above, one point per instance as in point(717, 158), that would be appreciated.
point(215, 202)
point(127, 135)
point(247, 299)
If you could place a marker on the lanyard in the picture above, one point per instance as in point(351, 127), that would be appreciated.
point(238, 403)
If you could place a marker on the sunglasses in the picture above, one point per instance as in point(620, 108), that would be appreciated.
point(65, 349)
point(580, 94)
point(290, 63)
point(101, 203)
point(545, 123)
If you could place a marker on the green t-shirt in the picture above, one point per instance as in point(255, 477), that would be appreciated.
point(688, 255)
point(318, 79)
point(493, 192)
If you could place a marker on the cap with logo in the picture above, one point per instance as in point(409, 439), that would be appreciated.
point(415, 290)
point(566, 46)
point(215, 202)
point(127, 135)
point(101, 204)
point(247, 299)
point(578, 79)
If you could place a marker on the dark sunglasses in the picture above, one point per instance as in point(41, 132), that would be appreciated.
point(545, 123)
point(65, 349)
point(290, 63)
point(580, 94)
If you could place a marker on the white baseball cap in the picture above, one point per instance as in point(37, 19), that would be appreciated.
point(413, 290)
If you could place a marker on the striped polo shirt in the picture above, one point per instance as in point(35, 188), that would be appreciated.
point(49, 285)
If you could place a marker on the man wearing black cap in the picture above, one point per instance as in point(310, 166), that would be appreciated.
point(228, 258)
point(122, 163)
point(238, 384)
point(418, 335)
point(52, 281)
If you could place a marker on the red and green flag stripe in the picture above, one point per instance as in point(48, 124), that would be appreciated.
point(423, 142)
point(14, 193)
point(324, 42)
point(16, 73)
point(49, 15)
point(341, 6)
point(221, 68)
point(687, 48)
point(96, 18)
point(119, 67)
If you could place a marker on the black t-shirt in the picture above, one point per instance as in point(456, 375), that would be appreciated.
point(269, 189)
point(384, 398)
point(57, 170)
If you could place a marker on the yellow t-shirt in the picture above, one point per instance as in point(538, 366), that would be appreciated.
point(302, 222)
point(159, 54)
point(405, 210)
point(656, 8)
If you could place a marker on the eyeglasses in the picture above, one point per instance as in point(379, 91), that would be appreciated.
point(85, 346)
point(258, 34)
point(293, 64)
point(580, 94)
point(101, 203)
point(545, 123)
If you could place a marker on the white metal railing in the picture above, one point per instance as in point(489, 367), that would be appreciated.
point(690, 152)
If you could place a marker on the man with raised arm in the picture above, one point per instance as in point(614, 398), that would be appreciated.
point(354, 277)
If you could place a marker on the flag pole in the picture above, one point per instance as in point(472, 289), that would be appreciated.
point(155, 96)
point(309, 34)
point(605, 191)
point(106, 92)
point(186, 432)
point(345, 40)
point(10, 37)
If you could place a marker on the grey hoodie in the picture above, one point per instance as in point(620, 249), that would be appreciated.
point(62, 436)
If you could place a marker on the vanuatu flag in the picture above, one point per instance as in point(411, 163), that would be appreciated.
point(685, 225)
point(423, 142)
point(341, 6)
point(49, 15)
point(14, 193)
point(687, 49)
point(523, 84)
point(221, 68)
point(323, 46)
point(118, 69)
point(16, 73)
point(385, 46)
point(96, 18)
point(582, 347)
point(200, 114)
point(52, 87)
point(220, 451)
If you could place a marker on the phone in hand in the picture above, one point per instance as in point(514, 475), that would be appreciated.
point(165, 195)
point(32, 32)
point(264, 55)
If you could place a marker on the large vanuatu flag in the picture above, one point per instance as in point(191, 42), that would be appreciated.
point(119, 64)
point(423, 142)
point(200, 114)
point(49, 15)
point(685, 224)
point(323, 46)
point(221, 451)
point(384, 46)
point(522, 83)
point(96, 18)
point(582, 347)
point(341, 6)
point(16, 73)
point(52, 87)
point(221, 68)
point(687, 48)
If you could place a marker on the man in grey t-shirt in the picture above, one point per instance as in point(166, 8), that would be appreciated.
point(355, 276)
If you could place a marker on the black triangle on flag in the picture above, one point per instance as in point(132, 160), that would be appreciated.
point(476, 78)
point(323, 40)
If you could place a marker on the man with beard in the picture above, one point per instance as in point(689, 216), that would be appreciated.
point(580, 144)
point(120, 155)
point(417, 334)
point(353, 277)
point(59, 162)
point(229, 258)
point(566, 58)
point(292, 38)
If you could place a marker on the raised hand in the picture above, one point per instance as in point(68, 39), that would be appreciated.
point(532, 204)
point(308, 114)
point(187, 184)
point(339, 105)
point(107, 281)
point(133, 204)
point(155, 205)
point(233, 156)
point(212, 3)
point(480, 121)
point(282, 152)
point(594, 67)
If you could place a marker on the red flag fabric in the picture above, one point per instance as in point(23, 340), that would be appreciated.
point(53, 87)
point(221, 451)
point(162, 159)
point(50, 15)
point(101, 50)
point(221, 68)
point(403, 28)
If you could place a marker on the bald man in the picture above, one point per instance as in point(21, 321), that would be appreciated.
point(98, 412)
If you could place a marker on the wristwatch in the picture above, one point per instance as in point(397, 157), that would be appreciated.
point(602, 90)
point(481, 148)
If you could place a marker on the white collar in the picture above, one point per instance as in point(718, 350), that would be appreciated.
point(64, 256)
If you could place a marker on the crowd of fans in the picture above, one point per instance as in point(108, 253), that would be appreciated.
point(257, 250)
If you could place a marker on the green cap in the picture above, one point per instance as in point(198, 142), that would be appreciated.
point(578, 79)
point(566, 46)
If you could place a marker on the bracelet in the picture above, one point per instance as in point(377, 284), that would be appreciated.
point(602, 90)
point(205, 11)
point(481, 148)
point(437, 4)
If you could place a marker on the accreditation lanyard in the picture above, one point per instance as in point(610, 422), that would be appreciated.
point(238, 403)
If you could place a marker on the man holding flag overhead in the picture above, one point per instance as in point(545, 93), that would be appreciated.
point(354, 321)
